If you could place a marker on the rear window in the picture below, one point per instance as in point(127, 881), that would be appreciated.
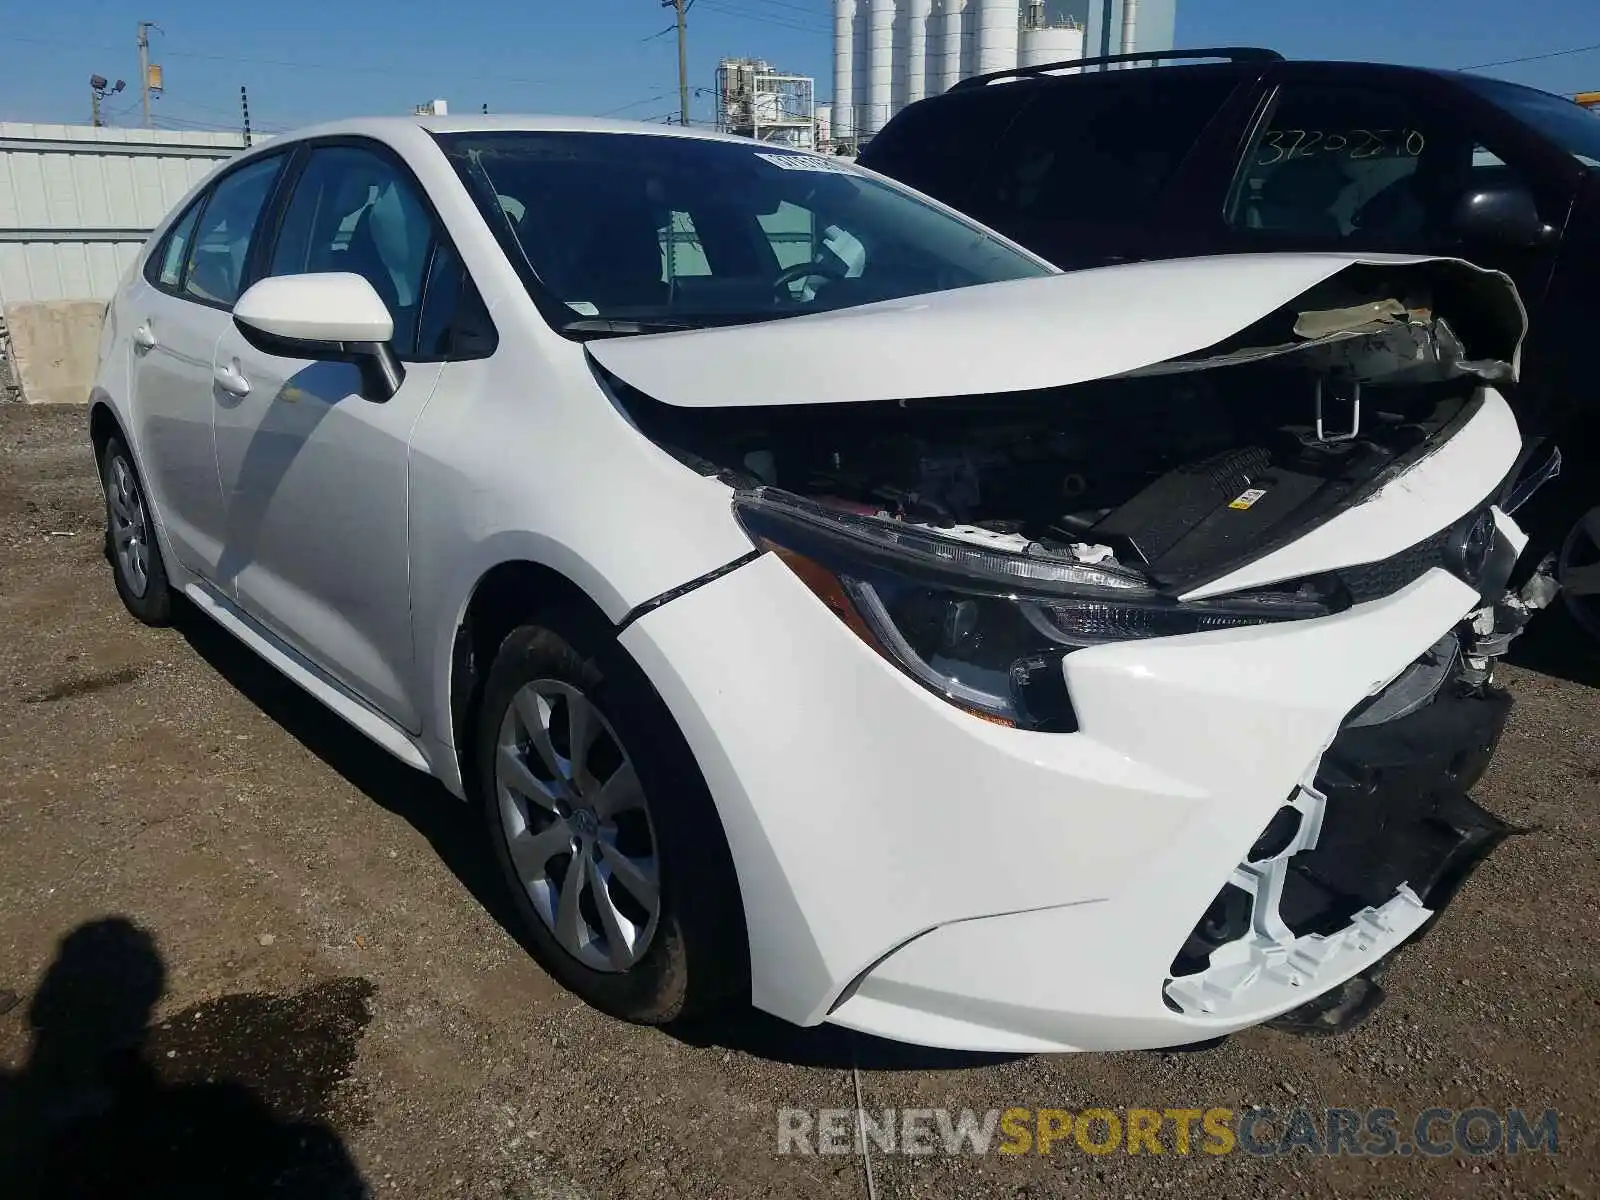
point(1099, 151)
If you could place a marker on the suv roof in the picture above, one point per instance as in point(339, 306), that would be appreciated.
point(1213, 58)
point(1238, 54)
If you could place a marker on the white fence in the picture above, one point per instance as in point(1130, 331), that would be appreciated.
point(77, 202)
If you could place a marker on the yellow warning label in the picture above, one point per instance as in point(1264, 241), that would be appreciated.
point(1246, 498)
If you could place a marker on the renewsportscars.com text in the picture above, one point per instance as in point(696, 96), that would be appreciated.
point(1260, 1131)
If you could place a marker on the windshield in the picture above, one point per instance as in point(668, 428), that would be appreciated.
point(1570, 126)
point(625, 233)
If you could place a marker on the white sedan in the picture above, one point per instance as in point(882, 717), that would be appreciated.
point(828, 604)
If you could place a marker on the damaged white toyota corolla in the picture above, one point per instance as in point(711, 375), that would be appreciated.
point(823, 599)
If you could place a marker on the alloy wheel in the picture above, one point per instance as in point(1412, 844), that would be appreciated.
point(577, 826)
point(130, 525)
point(1578, 570)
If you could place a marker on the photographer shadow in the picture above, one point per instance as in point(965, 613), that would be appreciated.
point(101, 1109)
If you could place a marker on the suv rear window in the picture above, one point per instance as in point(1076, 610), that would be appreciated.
point(1099, 151)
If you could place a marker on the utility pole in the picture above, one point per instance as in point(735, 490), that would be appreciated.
point(144, 66)
point(244, 104)
point(680, 8)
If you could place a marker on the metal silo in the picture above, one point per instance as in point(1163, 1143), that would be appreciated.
point(918, 17)
point(844, 68)
point(880, 66)
point(998, 27)
point(1050, 43)
point(952, 43)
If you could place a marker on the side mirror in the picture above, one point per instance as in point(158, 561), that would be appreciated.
point(1505, 214)
point(333, 317)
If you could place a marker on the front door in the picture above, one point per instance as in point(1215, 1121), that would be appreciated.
point(314, 476)
point(1379, 165)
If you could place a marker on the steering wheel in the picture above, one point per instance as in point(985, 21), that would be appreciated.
point(817, 269)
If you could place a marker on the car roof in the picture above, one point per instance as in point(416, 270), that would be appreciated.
point(509, 123)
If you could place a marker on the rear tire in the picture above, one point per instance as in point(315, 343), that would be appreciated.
point(605, 833)
point(131, 543)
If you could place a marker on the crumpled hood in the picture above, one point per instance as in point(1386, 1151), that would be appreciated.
point(1016, 336)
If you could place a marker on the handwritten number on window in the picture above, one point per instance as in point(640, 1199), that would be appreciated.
point(1280, 145)
point(1273, 144)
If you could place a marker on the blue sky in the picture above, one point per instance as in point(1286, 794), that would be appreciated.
point(309, 59)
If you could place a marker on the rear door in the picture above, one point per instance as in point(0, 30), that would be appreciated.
point(1086, 172)
point(179, 311)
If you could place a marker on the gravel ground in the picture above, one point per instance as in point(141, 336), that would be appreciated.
point(295, 942)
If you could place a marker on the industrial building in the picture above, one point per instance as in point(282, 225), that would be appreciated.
point(757, 101)
point(890, 53)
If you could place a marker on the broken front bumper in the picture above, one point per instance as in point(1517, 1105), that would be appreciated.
point(1364, 854)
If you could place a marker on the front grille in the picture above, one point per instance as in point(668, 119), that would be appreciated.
point(1372, 581)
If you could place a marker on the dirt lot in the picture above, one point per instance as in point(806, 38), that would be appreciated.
point(310, 930)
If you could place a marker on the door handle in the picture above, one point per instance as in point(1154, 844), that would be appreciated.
point(144, 337)
point(230, 380)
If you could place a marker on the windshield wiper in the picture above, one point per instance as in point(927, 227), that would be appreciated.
point(624, 326)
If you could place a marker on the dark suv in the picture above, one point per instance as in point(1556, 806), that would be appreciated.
point(1255, 153)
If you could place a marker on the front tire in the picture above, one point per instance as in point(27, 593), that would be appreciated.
point(604, 830)
point(1562, 520)
point(136, 566)
point(1578, 571)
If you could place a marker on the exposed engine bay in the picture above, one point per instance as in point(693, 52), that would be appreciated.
point(1178, 471)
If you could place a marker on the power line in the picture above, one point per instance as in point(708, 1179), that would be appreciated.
point(180, 123)
point(211, 108)
point(776, 20)
point(799, 8)
point(287, 64)
point(1507, 62)
point(764, 19)
point(621, 108)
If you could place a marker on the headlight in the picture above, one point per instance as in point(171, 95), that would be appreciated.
point(984, 629)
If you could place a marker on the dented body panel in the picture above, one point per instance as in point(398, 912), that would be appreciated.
point(1017, 336)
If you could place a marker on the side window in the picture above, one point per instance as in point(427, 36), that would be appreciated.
point(353, 210)
point(222, 237)
point(454, 323)
point(1099, 151)
point(165, 266)
point(1355, 166)
point(940, 146)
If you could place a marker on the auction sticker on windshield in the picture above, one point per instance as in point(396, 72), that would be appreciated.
point(808, 162)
